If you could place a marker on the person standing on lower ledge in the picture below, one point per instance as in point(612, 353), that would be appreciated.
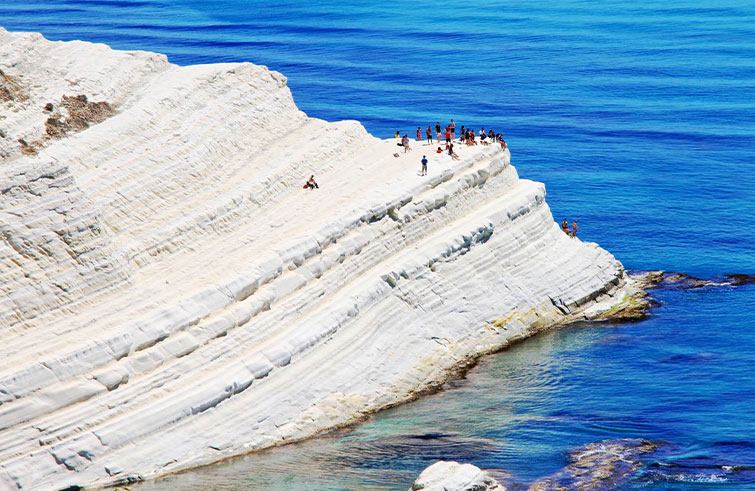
point(574, 228)
point(424, 166)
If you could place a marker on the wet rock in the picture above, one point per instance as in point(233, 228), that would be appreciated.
point(451, 476)
point(637, 304)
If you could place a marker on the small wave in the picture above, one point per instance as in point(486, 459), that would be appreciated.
point(688, 478)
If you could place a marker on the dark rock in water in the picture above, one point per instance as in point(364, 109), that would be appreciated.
point(682, 281)
point(597, 466)
point(740, 279)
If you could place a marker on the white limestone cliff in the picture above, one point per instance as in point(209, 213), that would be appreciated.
point(170, 295)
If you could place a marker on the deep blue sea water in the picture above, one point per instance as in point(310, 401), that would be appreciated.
point(640, 119)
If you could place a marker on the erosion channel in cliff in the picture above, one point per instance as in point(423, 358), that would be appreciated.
point(171, 296)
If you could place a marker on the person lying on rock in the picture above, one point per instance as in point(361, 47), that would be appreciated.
point(311, 184)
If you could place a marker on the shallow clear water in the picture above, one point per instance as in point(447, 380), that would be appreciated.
point(640, 119)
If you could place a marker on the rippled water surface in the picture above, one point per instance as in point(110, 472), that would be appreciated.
point(640, 119)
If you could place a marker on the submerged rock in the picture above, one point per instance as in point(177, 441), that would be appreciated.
point(597, 466)
point(453, 476)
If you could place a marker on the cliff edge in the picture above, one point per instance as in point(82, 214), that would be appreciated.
point(171, 296)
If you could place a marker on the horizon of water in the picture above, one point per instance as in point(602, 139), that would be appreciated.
point(640, 120)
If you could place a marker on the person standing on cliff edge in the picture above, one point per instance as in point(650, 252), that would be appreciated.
point(574, 229)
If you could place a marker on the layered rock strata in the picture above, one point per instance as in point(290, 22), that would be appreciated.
point(170, 295)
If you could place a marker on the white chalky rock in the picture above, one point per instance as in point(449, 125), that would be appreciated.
point(171, 296)
point(452, 476)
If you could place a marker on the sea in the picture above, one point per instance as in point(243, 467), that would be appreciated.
point(639, 116)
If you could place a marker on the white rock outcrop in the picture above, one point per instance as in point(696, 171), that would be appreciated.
point(453, 476)
point(171, 296)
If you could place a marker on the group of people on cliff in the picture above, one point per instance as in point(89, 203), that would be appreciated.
point(467, 136)
point(565, 228)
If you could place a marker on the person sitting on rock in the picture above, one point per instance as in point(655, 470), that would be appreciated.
point(452, 153)
point(439, 150)
point(565, 226)
point(311, 184)
point(405, 143)
point(483, 137)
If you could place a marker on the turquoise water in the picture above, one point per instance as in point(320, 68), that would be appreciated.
point(640, 119)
